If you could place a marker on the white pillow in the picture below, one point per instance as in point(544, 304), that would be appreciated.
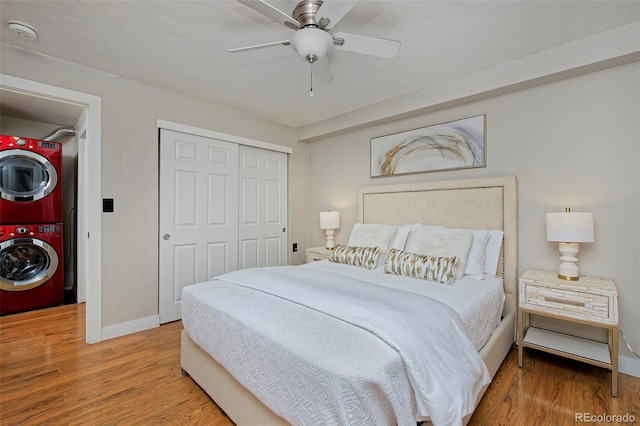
point(492, 252)
point(475, 261)
point(439, 241)
point(403, 233)
point(373, 235)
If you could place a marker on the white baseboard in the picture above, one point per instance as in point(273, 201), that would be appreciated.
point(129, 327)
point(629, 365)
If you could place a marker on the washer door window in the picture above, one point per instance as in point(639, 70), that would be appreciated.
point(26, 176)
point(26, 263)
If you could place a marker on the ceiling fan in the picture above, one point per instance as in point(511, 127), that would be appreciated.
point(311, 20)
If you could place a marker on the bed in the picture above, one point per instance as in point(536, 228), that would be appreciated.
point(486, 203)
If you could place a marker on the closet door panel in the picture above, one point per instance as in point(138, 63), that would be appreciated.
point(263, 205)
point(198, 209)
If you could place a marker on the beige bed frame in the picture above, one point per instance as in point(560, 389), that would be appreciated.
point(486, 203)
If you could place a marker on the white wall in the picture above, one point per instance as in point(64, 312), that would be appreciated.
point(573, 143)
point(130, 170)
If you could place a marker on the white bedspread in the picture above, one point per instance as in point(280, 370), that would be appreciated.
point(312, 368)
point(478, 302)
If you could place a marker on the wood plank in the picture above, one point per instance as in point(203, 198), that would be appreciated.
point(49, 375)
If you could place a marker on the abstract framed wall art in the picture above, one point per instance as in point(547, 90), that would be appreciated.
point(458, 144)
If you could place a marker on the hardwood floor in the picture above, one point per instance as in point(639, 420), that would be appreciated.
point(48, 375)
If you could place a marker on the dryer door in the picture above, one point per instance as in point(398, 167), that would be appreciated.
point(26, 263)
point(25, 175)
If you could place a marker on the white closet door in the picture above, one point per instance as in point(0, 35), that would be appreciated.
point(198, 214)
point(263, 208)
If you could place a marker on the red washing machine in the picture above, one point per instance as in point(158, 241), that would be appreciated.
point(31, 267)
point(30, 181)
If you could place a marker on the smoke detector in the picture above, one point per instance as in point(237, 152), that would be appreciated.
point(23, 31)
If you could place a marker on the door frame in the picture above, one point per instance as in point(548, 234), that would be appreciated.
point(90, 212)
point(240, 140)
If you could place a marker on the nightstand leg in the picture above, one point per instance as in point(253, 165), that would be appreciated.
point(613, 341)
point(520, 336)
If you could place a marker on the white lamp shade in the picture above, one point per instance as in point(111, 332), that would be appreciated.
point(570, 227)
point(329, 220)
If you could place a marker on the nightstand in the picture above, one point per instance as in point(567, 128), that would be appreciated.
point(590, 300)
point(318, 253)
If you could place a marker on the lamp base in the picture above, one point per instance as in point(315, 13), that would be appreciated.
point(569, 267)
point(330, 243)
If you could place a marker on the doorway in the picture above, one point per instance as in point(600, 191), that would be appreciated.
point(42, 97)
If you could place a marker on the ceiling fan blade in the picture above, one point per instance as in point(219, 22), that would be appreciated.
point(321, 72)
point(333, 11)
point(269, 11)
point(260, 46)
point(367, 45)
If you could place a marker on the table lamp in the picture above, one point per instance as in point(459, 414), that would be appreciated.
point(330, 221)
point(569, 228)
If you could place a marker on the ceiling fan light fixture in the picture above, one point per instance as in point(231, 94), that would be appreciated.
point(312, 43)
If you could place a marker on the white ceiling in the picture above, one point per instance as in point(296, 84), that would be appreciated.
point(181, 46)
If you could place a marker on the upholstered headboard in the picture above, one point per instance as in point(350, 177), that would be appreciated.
point(485, 203)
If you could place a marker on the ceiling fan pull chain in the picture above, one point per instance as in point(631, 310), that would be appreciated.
point(311, 91)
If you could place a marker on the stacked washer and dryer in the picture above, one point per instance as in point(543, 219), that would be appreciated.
point(31, 238)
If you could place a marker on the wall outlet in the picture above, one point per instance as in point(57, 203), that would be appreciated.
point(295, 247)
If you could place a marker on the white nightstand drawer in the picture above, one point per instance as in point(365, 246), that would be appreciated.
point(318, 253)
point(315, 257)
point(588, 306)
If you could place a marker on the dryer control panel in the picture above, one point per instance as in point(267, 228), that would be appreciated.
point(12, 231)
